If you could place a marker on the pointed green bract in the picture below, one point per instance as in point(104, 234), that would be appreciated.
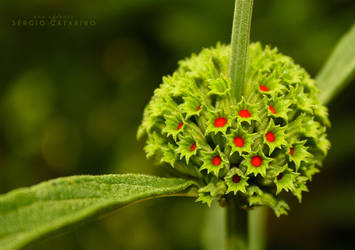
point(285, 181)
point(258, 197)
point(205, 198)
point(195, 122)
point(214, 161)
point(219, 121)
point(274, 136)
point(169, 154)
point(209, 192)
point(298, 153)
point(247, 112)
point(187, 147)
point(240, 140)
point(192, 105)
point(219, 86)
point(28, 214)
point(279, 107)
point(236, 181)
point(256, 163)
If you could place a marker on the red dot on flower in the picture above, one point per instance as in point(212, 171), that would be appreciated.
point(198, 108)
point(263, 88)
point(216, 160)
point(291, 151)
point(272, 110)
point(270, 136)
point(279, 176)
point(236, 178)
point(244, 113)
point(256, 161)
point(220, 122)
point(180, 125)
point(239, 142)
point(193, 147)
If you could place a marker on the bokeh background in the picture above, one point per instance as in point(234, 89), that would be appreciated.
point(71, 99)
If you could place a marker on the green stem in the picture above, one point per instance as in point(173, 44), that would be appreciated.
point(236, 218)
point(257, 228)
point(236, 221)
point(239, 46)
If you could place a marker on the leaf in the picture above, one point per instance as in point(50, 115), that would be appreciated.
point(339, 69)
point(28, 214)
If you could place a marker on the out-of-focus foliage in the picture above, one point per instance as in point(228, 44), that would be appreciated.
point(339, 68)
point(71, 99)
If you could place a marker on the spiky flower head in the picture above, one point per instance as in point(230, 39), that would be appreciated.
point(271, 141)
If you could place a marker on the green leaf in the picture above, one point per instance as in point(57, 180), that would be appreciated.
point(339, 69)
point(28, 214)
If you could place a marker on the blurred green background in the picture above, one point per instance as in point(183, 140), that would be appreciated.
point(71, 99)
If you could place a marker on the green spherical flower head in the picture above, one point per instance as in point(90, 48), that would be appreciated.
point(271, 141)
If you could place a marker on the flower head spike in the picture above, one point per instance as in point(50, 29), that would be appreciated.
point(219, 121)
point(279, 108)
point(187, 148)
point(192, 105)
point(298, 153)
point(256, 163)
point(214, 161)
point(247, 112)
point(274, 136)
point(270, 141)
point(236, 181)
point(219, 86)
point(240, 140)
point(285, 181)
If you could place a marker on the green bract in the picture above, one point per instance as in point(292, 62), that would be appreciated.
point(271, 141)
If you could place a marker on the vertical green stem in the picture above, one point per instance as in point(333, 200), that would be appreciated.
point(239, 46)
point(257, 228)
point(236, 221)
